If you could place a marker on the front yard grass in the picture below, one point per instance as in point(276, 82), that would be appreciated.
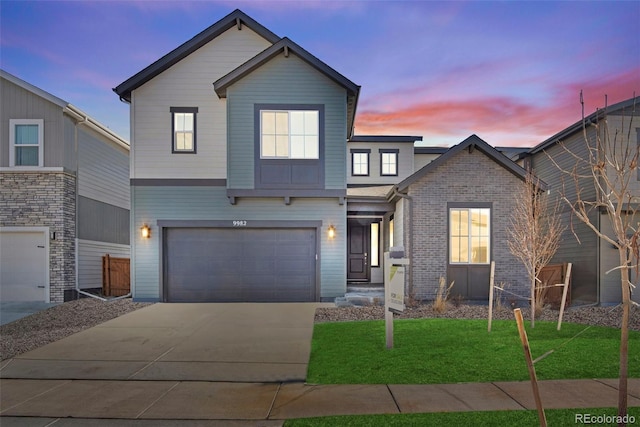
point(555, 417)
point(436, 351)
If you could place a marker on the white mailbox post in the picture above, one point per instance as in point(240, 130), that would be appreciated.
point(393, 288)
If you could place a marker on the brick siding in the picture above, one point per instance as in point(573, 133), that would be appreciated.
point(469, 178)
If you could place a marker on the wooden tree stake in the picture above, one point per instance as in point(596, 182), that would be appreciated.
point(532, 369)
point(567, 277)
point(491, 279)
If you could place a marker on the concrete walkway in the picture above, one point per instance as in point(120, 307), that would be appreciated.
point(230, 364)
point(11, 311)
point(266, 404)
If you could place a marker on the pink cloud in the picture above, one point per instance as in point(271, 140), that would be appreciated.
point(504, 119)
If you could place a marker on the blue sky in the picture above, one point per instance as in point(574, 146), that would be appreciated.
point(510, 71)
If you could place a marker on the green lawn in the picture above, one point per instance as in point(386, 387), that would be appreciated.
point(556, 417)
point(433, 351)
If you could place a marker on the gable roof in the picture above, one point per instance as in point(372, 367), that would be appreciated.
point(630, 106)
point(235, 18)
point(78, 115)
point(287, 47)
point(471, 143)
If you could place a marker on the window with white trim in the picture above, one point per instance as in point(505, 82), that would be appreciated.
point(183, 129)
point(469, 235)
point(26, 146)
point(293, 134)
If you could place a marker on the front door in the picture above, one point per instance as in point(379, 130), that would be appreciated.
point(358, 250)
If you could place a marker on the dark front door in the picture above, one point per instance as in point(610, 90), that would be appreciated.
point(358, 249)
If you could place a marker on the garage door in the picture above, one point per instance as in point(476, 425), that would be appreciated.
point(239, 265)
point(23, 266)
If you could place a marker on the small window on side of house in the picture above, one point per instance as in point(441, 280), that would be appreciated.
point(360, 162)
point(388, 162)
point(26, 147)
point(183, 129)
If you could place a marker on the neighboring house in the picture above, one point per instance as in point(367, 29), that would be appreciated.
point(591, 257)
point(64, 195)
point(250, 185)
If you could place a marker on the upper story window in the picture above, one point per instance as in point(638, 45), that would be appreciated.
point(388, 162)
point(293, 134)
point(26, 142)
point(360, 162)
point(469, 235)
point(183, 129)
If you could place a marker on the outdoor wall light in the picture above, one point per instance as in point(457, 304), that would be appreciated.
point(332, 231)
point(145, 231)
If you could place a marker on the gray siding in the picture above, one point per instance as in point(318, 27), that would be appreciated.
point(103, 173)
point(579, 245)
point(211, 203)
point(90, 255)
point(284, 81)
point(102, 222)
point(18, 103)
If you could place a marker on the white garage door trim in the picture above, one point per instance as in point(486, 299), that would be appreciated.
point(45, 232)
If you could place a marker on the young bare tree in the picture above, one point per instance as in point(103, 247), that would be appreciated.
point(612, 167)
point(534, 234)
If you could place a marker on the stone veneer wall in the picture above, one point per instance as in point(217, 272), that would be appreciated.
point(467, 177)
point(45, 199)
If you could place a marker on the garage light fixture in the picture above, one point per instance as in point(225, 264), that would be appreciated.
point(145, 231)
point(332, 231)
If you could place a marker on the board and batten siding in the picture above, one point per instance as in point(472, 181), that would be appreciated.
point(579, 244)
point(189, 83)
point(90, 255)
point(211, 203)
point(285, 80)
point(405, 163)
point(19, 103)
point(103, 170)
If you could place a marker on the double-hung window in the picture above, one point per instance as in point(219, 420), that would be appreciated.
point(183, 129)
point(26, 146)
point(388, 162)
point(293, 134)
point(360, 162)
point(469, 235)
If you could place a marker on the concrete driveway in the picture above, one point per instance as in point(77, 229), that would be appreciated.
point(182, 342)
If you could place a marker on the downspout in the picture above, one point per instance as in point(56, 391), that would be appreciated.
point(79, 120)
point(409, 237)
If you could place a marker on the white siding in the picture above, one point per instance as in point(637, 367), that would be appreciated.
point(189, 83)
point(405, 163)
point(421, 160)
point(103, 170)
point(90, 255)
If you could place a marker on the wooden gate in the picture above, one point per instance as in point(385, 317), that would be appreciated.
point(116, 279)
point(551, 275)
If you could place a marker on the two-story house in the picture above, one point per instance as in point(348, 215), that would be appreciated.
point(248, 183)
point(64, 195)
point(594, 280)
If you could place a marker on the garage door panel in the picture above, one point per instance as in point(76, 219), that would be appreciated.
point(231, 265)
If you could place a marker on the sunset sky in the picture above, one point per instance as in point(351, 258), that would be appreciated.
point(510, 72)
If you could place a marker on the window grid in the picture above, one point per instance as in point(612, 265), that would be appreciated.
point(360, 163)
point(291, 134)
point(469, 231)
point(389, 163)
point(183, 130)
point(27, 142)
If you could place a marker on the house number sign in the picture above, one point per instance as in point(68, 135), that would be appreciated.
point(239, 223)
